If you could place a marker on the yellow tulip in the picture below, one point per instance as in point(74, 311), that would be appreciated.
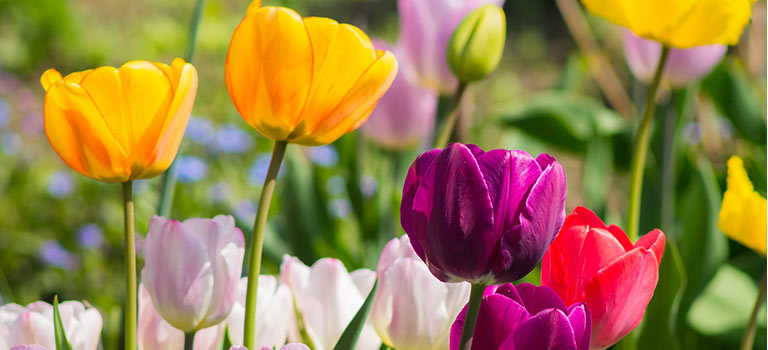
point(678, 23)
point(743, 213)
point(117, 125)
point(304, 80)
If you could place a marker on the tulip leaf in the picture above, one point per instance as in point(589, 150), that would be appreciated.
point(596, 173)
point(565, 120)
point(58, 327)
point(351, 334)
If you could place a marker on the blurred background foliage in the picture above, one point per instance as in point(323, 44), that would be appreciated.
point(60, 233)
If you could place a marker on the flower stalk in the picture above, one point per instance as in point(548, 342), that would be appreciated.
point(189, 340)
point(130, 268)
point(473, 308)
point(640, 151)
point(257, 243)
point(749, 332)
point(453, 115)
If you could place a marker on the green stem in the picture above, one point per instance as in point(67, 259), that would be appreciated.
point(640, 150)
point(168, 181)
point(130, 268)
point(468, 330)
point(189, 340)
point(257, 242)
point(749, 332)
point(450, 121)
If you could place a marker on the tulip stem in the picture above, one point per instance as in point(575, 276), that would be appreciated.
point(473, 307)
point(749, 332)
point(189, 340)
point(130, 268)
point(640, 150)
point(450, 121)
point(257, 242)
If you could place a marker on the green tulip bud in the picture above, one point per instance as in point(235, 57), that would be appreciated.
point(476, 45)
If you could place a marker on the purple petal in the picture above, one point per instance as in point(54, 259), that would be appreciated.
point(538, 298)
point(581, 322)
point(496, 320)
point(415, 223)
point(547, 330)
point(460, 229)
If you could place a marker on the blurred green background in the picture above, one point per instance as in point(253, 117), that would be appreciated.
point(61, 233)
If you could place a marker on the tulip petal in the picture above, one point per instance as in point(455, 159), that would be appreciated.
point(548, 330)
point(535, 299)
point(653, 241)
point(269, 70)
point(414, 222)
point(497, 318)
point(509, 176)
point(581, 323)
point(50, 77)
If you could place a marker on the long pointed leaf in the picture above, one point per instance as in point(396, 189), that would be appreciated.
point(58, 327)
point(351, 335)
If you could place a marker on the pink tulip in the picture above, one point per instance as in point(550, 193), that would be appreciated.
point(412, 309)
point(28, 347)
point(683, 65)
point(274, 312)
point(192, 269)
point(291, 346)
point(405, 116)
point(156, 334)
point(327, 296)
point(425, 28)
point(33, 324)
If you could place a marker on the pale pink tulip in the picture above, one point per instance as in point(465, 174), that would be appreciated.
point(33, 324)
point(291, 346)
point(274, 312)
point(328, 297)
point(683, 65)
point(412, 309)
point(28, 347)
point(192, 269)
point(425, 28)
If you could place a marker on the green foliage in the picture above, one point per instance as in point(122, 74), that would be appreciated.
point(58, 327)
point(351, 334)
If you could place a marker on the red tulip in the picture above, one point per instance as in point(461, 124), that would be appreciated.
point(597, 264)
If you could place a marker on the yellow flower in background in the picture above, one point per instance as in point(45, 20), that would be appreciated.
point(743, 213)
point(678, 23)
point(117, 125)
point(304, 80)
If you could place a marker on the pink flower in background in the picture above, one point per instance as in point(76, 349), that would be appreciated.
point(405, 116)
point(33, 324)
point(683, 65)
point(156, 334)
point(274, 312)
point(28, 347)
point(193, 269)
point(412, 309)
point(425, 28)
point(328, 297)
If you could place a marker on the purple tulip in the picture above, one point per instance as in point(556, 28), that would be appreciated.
point(405, 116)
point(526, 317)
point(683, 65)
point(482, 217)
point(425, 28)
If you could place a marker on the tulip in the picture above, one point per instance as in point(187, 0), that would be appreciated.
point(156, 334)
point(425, 28)
point(412, 309)
point(304, 80)
point(28, 347)
point(526, 317)
point(743, 213)
point(118, 125)
point(405, 116)
point(33, 324)
point(475, 48)
point(482, 217)
point(681, 24)
point(274, 309)
point(291, 346)
point(192, 269)
point(327, 298)
point(597, 264)
point(683, 65)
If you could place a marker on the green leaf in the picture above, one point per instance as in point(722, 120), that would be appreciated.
point(351, 334)
point(564, 120)
point(597, 172)
point(58, 327)
point(729, 89)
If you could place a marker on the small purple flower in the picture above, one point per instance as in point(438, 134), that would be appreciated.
point(232, 139)
point(482, 217)
point(220, 191)
point(340, 208)
point(10, 143)
point(60, 184)
point(526, 317)
point(325, 155)
point(52, 253)
point(368, 185)
point(5, 112)
point(245, 211)
point(90, 236)
point(191, 169)
point(200, 130)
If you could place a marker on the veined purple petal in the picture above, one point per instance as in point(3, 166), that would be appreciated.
point(496, 320)
point(415, 222)
point(535, 298)
point(547, 330)
point(581, 322)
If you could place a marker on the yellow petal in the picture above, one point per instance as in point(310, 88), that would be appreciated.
point(253, 7)
point(49, 78)
point(78, 133)
point(356, 105)
point(269, 70)
point(743, 213)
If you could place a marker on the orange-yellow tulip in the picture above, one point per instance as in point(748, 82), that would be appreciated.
point(304, 80)
point(117, 125)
